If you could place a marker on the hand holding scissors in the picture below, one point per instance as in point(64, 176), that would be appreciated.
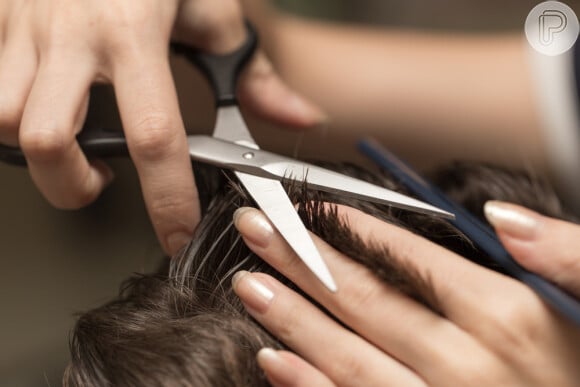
point(52, 51)
point(232, 147)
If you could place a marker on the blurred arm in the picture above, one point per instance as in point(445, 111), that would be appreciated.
point(431, 97)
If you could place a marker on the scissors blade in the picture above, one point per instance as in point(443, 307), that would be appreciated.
point(334, 182)
point(273, 200)
point(230, 126)
point(245, 157)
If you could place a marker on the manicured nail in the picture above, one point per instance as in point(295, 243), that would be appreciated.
point(237, 277)
point(253, 226)
point(512, 220)
point(253, 292)
point(281, 370)
point(309, 110)
point(268, 355)
point(271, 362)
point(177, 241)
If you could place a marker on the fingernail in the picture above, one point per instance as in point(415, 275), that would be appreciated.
point(237, 277)
point(279, 370)
point(307, 109)
point(270, 360)
point(253, 292)
point(512, 220)
point(177, 241)
point(253, 226)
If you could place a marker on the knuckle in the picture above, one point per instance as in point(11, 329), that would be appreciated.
point(347, 369)
point(567, 265)
point(289, 323)
point(475, 371)
point(167, 213)
point(71, 192)
point(127, 14)
point(290, 264)
point(224, 17)
point(124, 26)
point(216, 15)
point(154, 138)
point(514, 323)
point(360, 293)
point(43, 144)
point(217, 23)
point(163, 205)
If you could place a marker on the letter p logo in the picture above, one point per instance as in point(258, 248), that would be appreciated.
point(551, 22)
point(552, 28)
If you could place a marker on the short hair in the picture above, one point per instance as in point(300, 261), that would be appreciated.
point(184, 326)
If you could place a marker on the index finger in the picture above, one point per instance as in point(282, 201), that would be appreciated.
point(369, 306)
point(157, 143)
point(462, 287)
point(531, 237)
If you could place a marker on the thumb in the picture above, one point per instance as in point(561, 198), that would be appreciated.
point(218, 27)
point(543, 245)
point(268, 96)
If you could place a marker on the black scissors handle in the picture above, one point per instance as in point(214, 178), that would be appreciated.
point(222, 71)
point(95, 143)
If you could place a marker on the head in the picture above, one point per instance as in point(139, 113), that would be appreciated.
point(184, 326)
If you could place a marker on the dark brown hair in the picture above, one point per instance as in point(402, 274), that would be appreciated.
point(184, 326)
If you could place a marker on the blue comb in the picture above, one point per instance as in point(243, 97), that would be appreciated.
point(482, 236)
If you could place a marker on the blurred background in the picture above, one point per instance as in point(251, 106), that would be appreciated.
point(56, 263)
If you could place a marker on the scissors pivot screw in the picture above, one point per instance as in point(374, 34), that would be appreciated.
point(248, 155)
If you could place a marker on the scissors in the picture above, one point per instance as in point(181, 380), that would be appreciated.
point(232, 147)
point(479, 233)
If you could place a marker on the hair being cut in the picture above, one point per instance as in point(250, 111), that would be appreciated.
point(184, 326)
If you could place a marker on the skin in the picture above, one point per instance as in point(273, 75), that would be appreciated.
point(431, 96)
point(533, 245)
point(492, 330)
point(491, 324)
point(51, 51)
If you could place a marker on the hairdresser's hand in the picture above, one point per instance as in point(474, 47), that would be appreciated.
point(51, 51)
point(489, 330)
point(546, 246)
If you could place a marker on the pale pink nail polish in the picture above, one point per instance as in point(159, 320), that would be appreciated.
point(512, 220)
point(279, 370)
point(268, 355)
point(253, 226)
point(254, 293)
